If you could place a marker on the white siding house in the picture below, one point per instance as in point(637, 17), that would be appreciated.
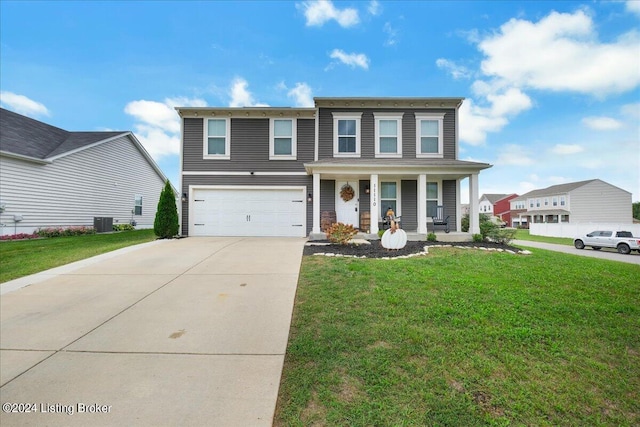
point(564, 210)
point(89, 174)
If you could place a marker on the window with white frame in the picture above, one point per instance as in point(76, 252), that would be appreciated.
point(429, 137)
point(217, 138)
point(388, 197)
point(388, 134)
point(346, 134)
point(432, 199)
point(554, 201)
point(137, 205)
point(562, 201)
point(531, 203)
point(282, 139)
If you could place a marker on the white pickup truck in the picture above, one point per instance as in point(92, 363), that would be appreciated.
point(623, 241)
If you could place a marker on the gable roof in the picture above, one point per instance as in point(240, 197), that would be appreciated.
point(27, 137)
point(493, 198)
point(555, 189)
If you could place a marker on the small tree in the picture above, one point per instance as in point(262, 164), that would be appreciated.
point(166, 223)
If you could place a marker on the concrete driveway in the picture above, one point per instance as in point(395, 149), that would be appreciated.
point(605, 253)
point(181, 332)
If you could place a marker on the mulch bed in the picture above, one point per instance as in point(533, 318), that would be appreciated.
point(375, 249)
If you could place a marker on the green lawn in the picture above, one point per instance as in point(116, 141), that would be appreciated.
point(524, 235)
point(464, 338)
point(24, 257)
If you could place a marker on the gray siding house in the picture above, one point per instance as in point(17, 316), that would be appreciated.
point(576, 202)
point(50, 177)
point(289, 171)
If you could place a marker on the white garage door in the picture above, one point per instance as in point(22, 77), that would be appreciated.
point(248, 212)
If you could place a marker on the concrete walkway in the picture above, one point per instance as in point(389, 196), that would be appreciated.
point(604, 253)
point(187, 332)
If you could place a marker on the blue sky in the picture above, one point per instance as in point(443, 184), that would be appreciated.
point(552, 88)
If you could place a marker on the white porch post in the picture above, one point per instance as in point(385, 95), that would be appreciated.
point(316, 204)
point(474, 214)
point(458, 207)
point(373, 203)
point(422, 204)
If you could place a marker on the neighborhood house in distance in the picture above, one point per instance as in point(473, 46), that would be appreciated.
point(565, 210)
point(50, 177)
point(272, 171)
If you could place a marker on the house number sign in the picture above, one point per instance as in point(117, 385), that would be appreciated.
point(374, 195)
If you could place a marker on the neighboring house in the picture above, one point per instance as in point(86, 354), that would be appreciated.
point(487, 201)
point(50, 177)
point(592, 201)
point(270, 171)
point(502, 208)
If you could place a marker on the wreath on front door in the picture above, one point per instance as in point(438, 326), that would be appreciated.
point(347, 193)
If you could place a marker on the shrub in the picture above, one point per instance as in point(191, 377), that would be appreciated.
point(464, 223)
point(19, 236)
point(380, 233)
point(123, 227)
point(166, 223)
point(477, 238)
point(65, 232)
point(431, 237)
point(341, 233)
point(502, 235)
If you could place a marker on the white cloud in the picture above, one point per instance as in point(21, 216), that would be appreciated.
point(633, 6)
point(351, 59)
point(514, 155)
point(601, 123)
point(392, 34)
point(240, 95)
point(320, 11)
point(157, 124)
point(476, 121)
point(23, 105)
point(456, 71)
point(567, 149)
point(561, 52)
point(302, 95)
point(374, 7)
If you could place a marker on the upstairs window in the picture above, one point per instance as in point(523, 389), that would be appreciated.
point(429, 135)
point(388, 134)
point(562, 201)
point(346, 134)
point(282, 141)
point(217, 138)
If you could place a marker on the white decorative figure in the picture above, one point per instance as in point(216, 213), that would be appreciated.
point(394, 239)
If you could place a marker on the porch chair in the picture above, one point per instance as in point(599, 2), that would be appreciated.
point(439, 219)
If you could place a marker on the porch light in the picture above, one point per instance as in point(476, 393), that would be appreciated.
point(309, 198)
point(367, 189)
point(184, 197)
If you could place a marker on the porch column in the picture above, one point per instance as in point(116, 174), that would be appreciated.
point(458, 207)
point(316, 204)
point(374, 201)
point(422, 204)
point(474, 214)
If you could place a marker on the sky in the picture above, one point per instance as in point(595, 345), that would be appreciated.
point(552, 89)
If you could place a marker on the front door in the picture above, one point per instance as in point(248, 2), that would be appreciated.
point(347, 210)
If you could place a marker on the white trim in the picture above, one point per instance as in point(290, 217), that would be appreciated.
point(316, 204)
point(374, 202)
point(181, 177)
point(439, 117)
point(346, 116)
point(227, 140)
point(440, 191)
point(422, 204)
point(388, 116)
point(294, 139)
point(317, 136)
point(237, 173)
point(25, 158)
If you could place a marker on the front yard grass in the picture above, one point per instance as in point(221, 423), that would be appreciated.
point(23, 257)
point(524, 235)
point(464, 337)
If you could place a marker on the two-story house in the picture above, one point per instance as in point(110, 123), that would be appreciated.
point(270, 171)
point(575, 202)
